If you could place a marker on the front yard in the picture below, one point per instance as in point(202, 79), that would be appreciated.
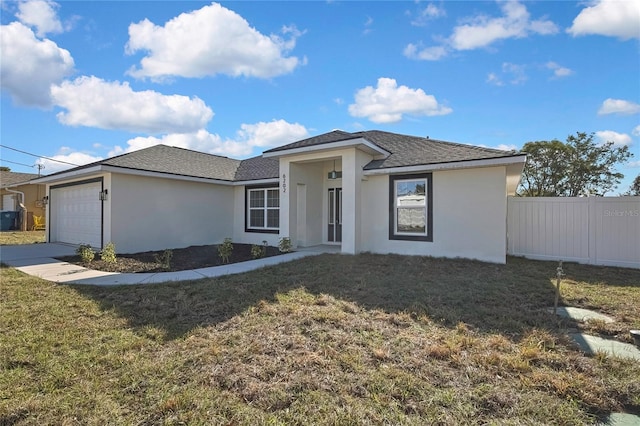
point(333, 339)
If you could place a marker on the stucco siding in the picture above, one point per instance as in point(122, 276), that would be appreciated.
point(469, 216)
point(147, 213)
point(238, 233)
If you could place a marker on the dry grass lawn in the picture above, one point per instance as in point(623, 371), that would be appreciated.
point(364, 339)
point(19, 237)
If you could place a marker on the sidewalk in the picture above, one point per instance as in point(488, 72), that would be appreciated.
point(39, 260)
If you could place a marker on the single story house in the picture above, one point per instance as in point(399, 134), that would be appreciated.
point(15, 189)
point(369, 191)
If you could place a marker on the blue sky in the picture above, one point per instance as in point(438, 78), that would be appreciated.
point(85, 80)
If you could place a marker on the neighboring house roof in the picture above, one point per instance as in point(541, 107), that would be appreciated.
point(8, 179)
point(404, 150)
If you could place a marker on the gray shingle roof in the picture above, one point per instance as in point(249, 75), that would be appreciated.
point(404, 150)
point(177, 161)
point(14, 178)
point(172, 160)
point(414, 151)
point(333, 136)
point(258, 168)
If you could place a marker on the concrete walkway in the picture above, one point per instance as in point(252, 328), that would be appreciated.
point(593, 344)
point(40, 260)
point(581, 314)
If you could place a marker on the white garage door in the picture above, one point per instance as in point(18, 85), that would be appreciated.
point(76, 214)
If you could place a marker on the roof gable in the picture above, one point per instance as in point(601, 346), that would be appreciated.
point(325, 138)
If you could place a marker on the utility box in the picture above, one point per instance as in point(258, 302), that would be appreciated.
point(9, 221)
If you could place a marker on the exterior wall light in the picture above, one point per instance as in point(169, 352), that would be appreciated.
point(104, 194)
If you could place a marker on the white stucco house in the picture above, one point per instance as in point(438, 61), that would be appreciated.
point(368, 191)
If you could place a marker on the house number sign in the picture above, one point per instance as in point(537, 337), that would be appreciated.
point(284, 182)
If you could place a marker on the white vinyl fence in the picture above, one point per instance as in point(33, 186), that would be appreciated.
point(594, 230)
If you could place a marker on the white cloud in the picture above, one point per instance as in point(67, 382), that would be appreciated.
point(66, 155)
point(40, 14)
point(212, 40)
point(505, 147)
point(492, 78)
point(432, 53)
point(430, 12)
point(614, 18)
point(558, 70)
point(29, 66)
point(388, 102)
point(513, 73)
point(633, 164)
point(615, 137)
point(93, 102)
point(618, 106)
point(636, 131)
point(367, 25)
point(271, 134)
point(261, 135)
point(481, 31)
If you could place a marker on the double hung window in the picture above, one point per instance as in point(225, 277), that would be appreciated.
point(263, 209)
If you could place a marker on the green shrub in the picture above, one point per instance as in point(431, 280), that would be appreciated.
point(108, 253)
point(259, 251)
point(225, 249)
point(284, 245)
point(164, 259)
point(86, 253)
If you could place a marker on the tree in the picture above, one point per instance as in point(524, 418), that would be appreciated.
point(544, 173)
point(577, 167)
point(634, 189)
point(5, 169)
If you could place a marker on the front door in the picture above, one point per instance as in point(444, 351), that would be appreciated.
point(335, 215)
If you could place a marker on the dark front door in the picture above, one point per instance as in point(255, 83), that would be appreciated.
point(335, 215)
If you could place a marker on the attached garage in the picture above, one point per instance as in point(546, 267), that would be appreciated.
point(76, 213)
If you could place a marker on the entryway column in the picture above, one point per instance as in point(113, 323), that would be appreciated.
point(351, 180)
point(285, 210)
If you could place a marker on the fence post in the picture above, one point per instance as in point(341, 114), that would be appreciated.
point(592, 229)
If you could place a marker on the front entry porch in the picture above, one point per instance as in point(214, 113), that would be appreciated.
point(320, 198)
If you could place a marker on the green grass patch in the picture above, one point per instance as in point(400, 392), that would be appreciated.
point(332, 339)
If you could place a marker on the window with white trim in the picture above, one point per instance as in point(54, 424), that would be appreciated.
point(410, 207)
point(263, 209)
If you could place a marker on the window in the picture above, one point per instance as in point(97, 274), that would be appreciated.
point(410, 207)
point(262, 209)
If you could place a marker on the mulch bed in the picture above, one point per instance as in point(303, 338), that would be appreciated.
point(193, 257)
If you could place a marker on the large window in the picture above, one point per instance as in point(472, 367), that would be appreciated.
point(410, 207)
point(262, 209)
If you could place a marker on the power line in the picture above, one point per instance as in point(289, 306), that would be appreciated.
point(14, 162)
point(38, 156)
